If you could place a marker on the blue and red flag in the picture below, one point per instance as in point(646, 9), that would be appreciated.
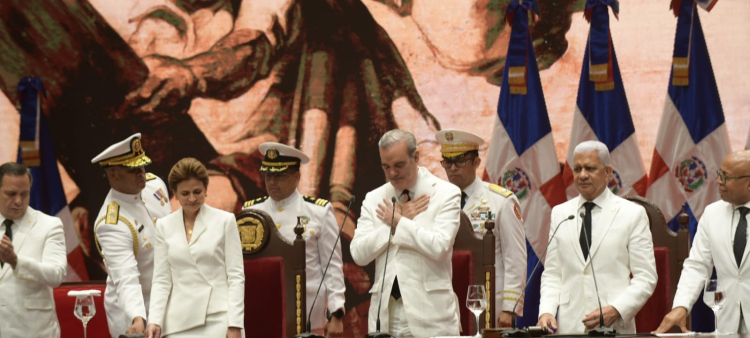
point(37, 152)
point(522, 153)
point(602, 110)
point(693, 138)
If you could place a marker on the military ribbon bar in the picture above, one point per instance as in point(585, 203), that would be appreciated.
point(517, 16)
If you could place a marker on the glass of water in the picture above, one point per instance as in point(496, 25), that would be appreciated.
point(476, 301)
point(85, 310)
point(714, 297)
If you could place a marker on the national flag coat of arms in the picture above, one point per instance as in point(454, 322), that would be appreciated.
point(602, 111)
point(36, 151)
point(522, 154)
point(693, 138)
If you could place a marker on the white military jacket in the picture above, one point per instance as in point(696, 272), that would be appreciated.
point(482, 199)
point(124, 233)
point(320, 235)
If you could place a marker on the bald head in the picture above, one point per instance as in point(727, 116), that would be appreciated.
point(736, 169)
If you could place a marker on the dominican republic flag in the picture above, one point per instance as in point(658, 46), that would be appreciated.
point(522, 154)
point(602, 112)
point(38, 154)
point(693, 138)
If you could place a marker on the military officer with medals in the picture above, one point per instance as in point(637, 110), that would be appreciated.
point(124, 232)
point(280, 171)
point(481, 201)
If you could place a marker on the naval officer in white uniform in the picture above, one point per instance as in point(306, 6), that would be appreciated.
point(124, 233)
point(280, 171)
point(481, 200)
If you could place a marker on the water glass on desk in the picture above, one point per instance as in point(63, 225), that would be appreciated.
point(476, 301)
point(714, 297)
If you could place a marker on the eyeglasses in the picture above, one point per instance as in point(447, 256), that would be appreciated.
point(459, 163)
point(724, 177)
point(277, 176)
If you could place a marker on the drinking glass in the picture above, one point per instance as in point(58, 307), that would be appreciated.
point(714, 297)
point(85, 310)
point(476, 301)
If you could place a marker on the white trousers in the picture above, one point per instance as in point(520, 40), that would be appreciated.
point(397, 318)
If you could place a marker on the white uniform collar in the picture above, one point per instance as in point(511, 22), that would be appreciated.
point(18, 221)
point(600, 200)
point(126, 198)
point(293, 197)
point(469, 191)
point(734, 207)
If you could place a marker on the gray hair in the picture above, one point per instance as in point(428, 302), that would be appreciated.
point(394, 136)
point(591, 146)
point(14, 169)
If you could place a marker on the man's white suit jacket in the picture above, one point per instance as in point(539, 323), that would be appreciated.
point(420, 255)
point(621, 245)
point(196, 279)
point(27, 305)
point(713, 246)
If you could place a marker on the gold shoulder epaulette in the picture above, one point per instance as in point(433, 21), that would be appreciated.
point(150, 176)
point(500, 190)
point(113, 213)
point(318, 201)
point(258, 200)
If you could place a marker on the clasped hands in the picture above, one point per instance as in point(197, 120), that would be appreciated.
point(591, 321)
point(7, 253)
point(408, 209)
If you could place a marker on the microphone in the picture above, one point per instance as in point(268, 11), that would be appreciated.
point(309, 334)
point(377, 333)
point(515, 332)
point(601, 331)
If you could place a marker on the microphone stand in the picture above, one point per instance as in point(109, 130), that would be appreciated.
point(308, 333)
point(377, 333)
point(515, 332)
point(601, 331)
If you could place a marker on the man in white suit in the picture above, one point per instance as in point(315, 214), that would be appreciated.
point(32, 259)
point(284, 203)
point(419, 295)
point(481, 200)
point(124, 233)
point(721, 242)
point(613, 235)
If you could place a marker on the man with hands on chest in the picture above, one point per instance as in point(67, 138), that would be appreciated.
point(417, 297)
point(284, 203)
point(481, 201)
point(614, 233)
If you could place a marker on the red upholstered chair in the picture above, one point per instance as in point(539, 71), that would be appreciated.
point(472, 266)
point(275, 304)
point(70, 326)
point(670, 251)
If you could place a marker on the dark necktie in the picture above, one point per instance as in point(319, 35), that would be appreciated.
point(586, 229)
point(464, 197)
point(740, 237)
point(395, 290)
point(8, 232)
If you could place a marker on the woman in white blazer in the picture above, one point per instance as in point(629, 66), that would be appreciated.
point(199, 280)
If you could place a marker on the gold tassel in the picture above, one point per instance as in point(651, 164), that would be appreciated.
point(30, 158)
point(598, 73)
point(517, 75)
point(680, 81)
point(518, 90)
point(680, 72)
point(605, 86)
